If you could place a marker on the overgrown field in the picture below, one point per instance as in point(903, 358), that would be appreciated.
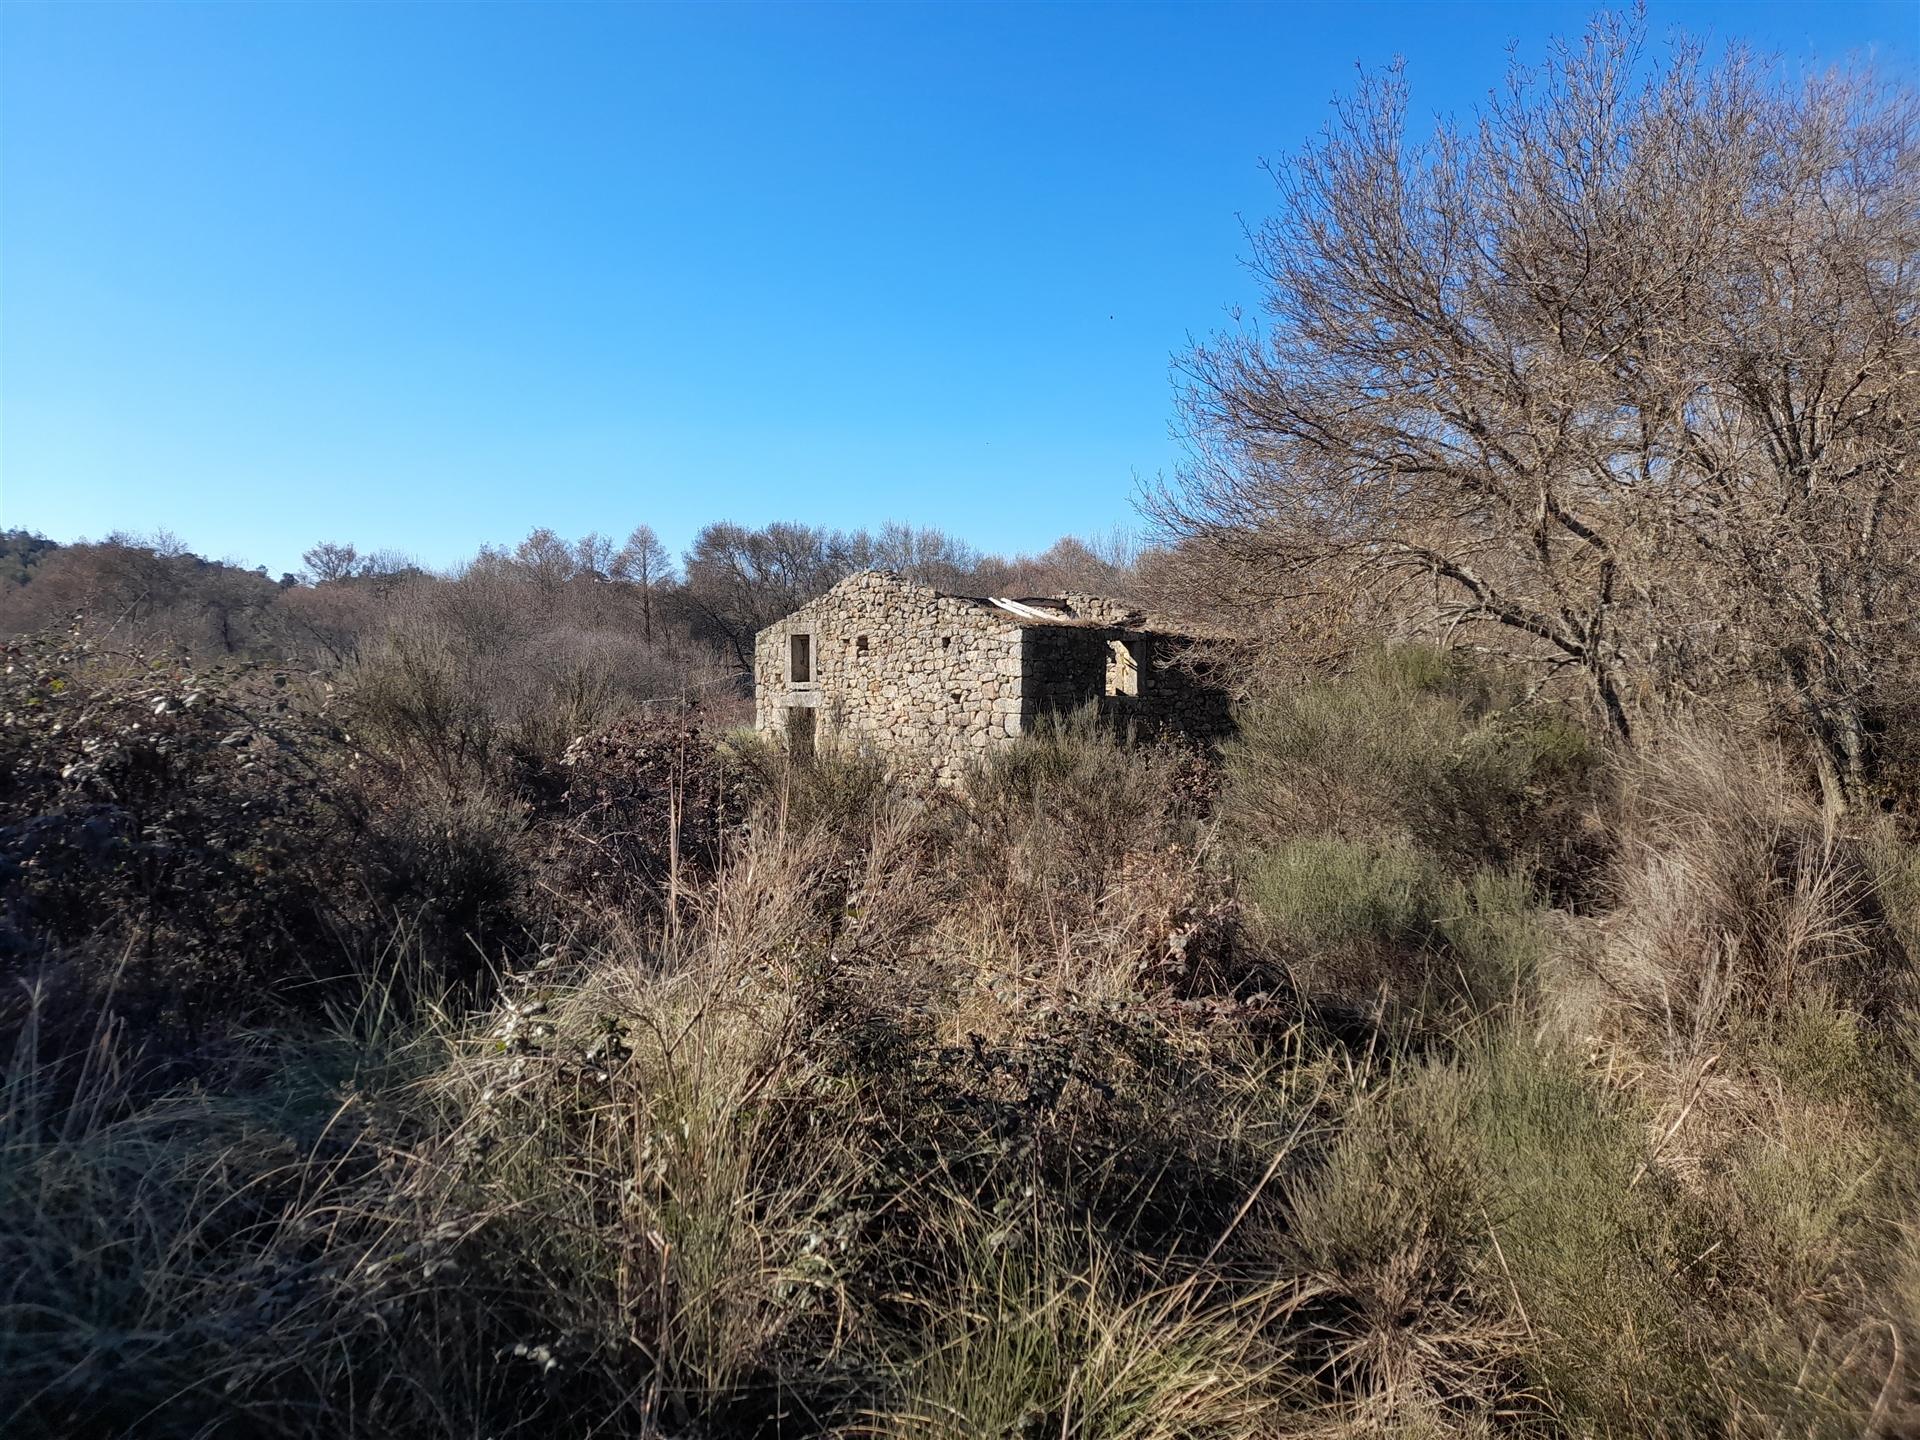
point(1421, 1067)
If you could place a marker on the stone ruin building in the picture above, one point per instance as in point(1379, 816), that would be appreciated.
point(931, 681)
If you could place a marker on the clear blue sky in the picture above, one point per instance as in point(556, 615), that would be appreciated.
point(424, 276)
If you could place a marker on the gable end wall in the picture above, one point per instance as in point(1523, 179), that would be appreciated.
point(938, 683)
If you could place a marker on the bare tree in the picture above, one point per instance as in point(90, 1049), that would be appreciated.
point(593, 556)
point(546, 560)
point(329, 562)
point(1101, 565)
point(643, 562)
point(922, 554)
point(1623, 371)
point(738, 581)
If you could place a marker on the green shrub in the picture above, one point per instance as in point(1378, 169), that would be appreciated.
point(1383, 1244)
point(1476, 1238)
point(1500, 1229)
point(1589, 1243)
point(1323, 893)
point(1361, 919)
point(1420, 746)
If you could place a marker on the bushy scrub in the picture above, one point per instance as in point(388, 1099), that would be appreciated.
point(1500, 1229)
point(636, 811)
point(1581, 1243)
point(1089, 856)
point(1372, 922)
point(1475, 1236)
point(468, 682)
point(1099, 790)
point(414, 695)
point(1676, 1211)
point(174, 836)
point(1737, 895)
point(1425, 747)
point(205, 849)
point(812, 1103)
point(754, 1173)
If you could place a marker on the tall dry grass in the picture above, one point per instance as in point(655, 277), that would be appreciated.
point(1052, 1108)
point(1736, 894)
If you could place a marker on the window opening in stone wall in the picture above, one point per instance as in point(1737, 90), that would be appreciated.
point(800, 660)
point(945, 641)
point(800, 723)
point(860, 646)
point(1124, 666)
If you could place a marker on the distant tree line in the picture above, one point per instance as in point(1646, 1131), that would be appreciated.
point(624, 611)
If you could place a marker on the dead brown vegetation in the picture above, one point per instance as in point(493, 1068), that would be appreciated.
point(1613, 377)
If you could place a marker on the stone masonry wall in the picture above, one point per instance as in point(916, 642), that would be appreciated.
point(930, 680)
point(1180, 697)
point(1067, 666)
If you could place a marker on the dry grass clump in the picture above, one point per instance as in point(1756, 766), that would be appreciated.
point(168, 1263)
point(834, 794)
point(1735, 892)
point(1088, 867)
point(1762, 1022)
point(1049, 1334)
point(657, 1183)
point(760, 1173)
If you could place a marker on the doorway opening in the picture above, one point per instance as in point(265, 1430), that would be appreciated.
point(800, 723)
point(1126, 660)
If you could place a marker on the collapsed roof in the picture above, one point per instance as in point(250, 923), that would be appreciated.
point(1060, 610)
